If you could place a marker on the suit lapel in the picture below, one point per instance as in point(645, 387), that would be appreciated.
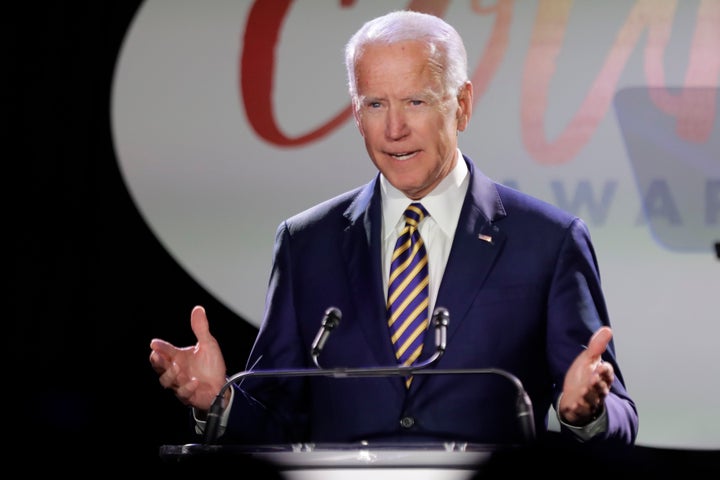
point(477, 243)
point(362, 251)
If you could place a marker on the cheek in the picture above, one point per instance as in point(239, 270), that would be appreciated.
point(436, 129)
point(435, 121)
point(371, 130)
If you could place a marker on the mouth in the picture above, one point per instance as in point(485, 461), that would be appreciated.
point(403, 155)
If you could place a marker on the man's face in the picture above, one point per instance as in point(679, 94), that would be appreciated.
point(408, 121)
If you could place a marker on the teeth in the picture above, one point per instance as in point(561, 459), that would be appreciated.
point(402, 155)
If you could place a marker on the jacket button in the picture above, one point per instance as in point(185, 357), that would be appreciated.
point(407, 422)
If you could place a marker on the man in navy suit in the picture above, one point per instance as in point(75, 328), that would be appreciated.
point(518, 278)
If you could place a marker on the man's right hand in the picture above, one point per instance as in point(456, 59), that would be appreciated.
point(196, 373)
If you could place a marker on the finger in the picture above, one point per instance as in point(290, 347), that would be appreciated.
point(603, 380)
point(169, 377)
point(186, 391)
point(164, 348)
point(200, 325)
point(599, 342)
point(161, 355)
point(600, 388)
point(605, 371)
point(158, 361)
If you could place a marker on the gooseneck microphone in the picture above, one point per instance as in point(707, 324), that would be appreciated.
point(330, 321)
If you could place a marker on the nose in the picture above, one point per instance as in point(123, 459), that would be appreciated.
point(396, 126)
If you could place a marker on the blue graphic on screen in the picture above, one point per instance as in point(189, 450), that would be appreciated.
point(677, 176)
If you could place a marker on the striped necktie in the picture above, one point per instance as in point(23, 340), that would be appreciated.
point(408, 296)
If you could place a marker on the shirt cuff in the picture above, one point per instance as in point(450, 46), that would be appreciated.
point(585, 432)
point(200, 424)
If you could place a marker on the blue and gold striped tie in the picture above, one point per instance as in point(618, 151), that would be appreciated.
point(408, 294)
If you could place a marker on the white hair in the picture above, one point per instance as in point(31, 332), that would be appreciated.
point(446, 46)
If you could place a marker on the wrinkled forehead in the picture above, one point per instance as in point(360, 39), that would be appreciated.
point(409, 61)
point(422, 47)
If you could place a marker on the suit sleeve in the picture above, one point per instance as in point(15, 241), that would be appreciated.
point(576, 309)
point(273, 409)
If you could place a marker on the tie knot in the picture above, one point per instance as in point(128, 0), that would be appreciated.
point(415, 213)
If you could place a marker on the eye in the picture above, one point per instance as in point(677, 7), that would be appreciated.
point(373, 105)
point(416, 103)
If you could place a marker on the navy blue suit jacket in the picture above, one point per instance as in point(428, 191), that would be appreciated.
point(527, 302)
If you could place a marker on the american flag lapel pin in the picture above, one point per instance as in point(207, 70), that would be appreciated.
point(486, 238)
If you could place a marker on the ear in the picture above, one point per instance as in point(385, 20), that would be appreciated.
point(465, 104)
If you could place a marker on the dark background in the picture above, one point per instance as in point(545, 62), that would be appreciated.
point(92, 284)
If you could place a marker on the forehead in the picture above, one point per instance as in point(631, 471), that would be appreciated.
point(399, 65)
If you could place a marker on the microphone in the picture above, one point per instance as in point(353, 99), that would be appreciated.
point(331, 319)
point(441, 318)
point(329, 322)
